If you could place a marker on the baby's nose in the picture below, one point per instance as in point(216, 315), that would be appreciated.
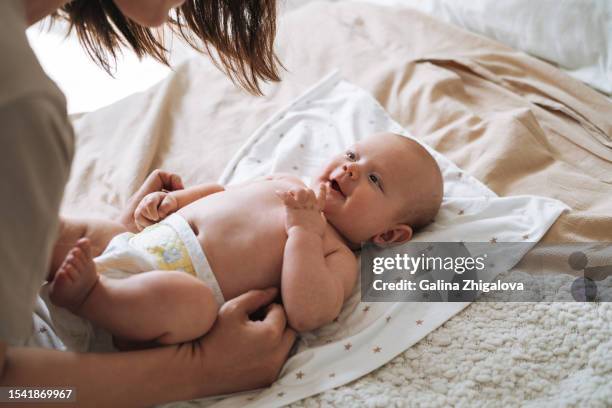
point(351, 170)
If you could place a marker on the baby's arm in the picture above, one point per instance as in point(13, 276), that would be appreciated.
point(314, 284)
point(156, 206)
point(189, 195)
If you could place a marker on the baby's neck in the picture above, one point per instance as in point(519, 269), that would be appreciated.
point(353, 246)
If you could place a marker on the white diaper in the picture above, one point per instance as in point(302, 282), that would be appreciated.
point(169, 245)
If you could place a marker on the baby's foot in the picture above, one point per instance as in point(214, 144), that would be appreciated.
point(75, 278)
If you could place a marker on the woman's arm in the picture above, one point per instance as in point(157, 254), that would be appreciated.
point(237, 354)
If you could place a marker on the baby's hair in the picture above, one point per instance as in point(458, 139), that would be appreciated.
point(420, 211)
point(418, 218)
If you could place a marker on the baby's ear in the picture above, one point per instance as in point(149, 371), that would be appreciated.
point(399, 234)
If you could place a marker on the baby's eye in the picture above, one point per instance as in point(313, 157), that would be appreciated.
point(374, 179)
point(351, 156)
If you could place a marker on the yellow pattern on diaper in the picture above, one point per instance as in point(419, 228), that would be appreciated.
point(162, 241)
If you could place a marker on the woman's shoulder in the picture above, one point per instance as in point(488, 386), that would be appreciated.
point(21, 75)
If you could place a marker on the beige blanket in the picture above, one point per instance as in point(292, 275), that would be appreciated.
point(515, 123)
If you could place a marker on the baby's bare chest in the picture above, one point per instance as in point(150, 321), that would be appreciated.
point(246, 224)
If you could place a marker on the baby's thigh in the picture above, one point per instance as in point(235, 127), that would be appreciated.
point(186, 305)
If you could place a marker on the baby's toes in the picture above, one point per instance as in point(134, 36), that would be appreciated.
point(61, 280)
point(67, 273)
point(85, 245)
point(76, 258)
point(61, 277)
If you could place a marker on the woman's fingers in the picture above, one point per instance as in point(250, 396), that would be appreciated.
point(176, 183)
point(287, 342)
point(161, 179)
point(251, 301)
point(275, 318)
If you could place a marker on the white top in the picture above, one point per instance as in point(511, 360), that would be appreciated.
point(37, 143)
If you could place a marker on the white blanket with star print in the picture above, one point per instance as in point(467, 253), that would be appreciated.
point(326, 119)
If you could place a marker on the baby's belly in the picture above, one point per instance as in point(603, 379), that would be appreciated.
point(244, 257)
point(242, 233)
point(248, 269)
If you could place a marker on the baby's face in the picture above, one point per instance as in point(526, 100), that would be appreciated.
point(368, 185)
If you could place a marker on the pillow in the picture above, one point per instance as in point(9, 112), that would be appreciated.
point(575, 35)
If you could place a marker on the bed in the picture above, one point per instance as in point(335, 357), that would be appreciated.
point(515, 123)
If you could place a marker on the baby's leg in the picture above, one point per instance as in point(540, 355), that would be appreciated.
point(165, 306)
point(99, 232)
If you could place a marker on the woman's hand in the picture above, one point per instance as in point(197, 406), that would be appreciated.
point(244, 354)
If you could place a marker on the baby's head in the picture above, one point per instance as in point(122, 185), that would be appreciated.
point(382, 189)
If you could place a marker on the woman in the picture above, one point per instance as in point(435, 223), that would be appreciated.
point(38, 143)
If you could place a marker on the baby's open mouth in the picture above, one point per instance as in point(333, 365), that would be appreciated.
point(336, 186)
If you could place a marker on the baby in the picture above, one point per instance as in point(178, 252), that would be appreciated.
point(207, 244)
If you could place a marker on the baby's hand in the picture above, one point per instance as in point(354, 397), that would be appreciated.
point(304, 209)
point(153, 208)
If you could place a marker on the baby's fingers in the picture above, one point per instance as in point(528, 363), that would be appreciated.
point(150, 208)
point(305, 198)
point(286, 197)
point(140, 219)
point(167, 206)
point(322, 196)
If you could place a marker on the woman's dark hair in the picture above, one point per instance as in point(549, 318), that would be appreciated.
point(237, 34)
